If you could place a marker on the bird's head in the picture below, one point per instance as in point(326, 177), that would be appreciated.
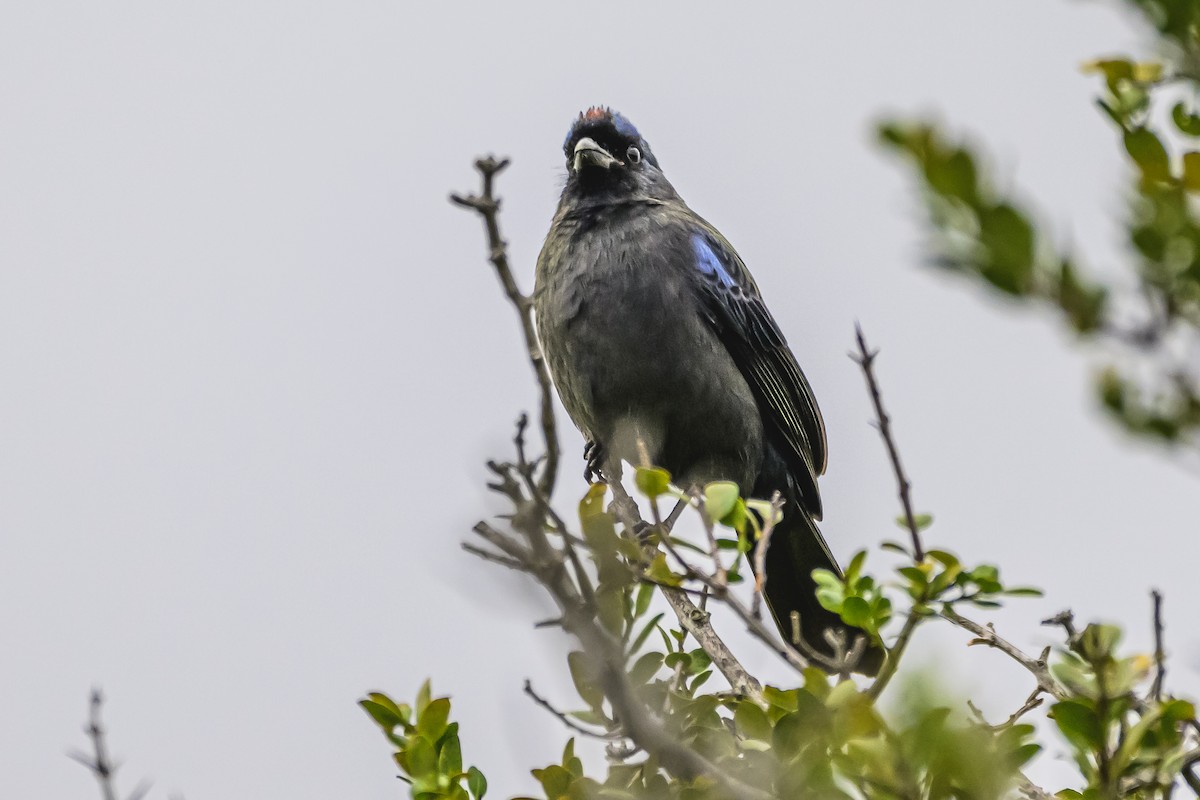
point(607, 156)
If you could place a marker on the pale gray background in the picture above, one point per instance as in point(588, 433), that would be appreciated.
point(252, 359)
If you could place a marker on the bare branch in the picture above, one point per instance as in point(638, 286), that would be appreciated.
point(1066, 619)
point(487, 205)
point(495, 558)
point(691, 618)
point(1033, 701)
point(1160, 657)
point(564, 719)
point(99, 762)
point(760, 555)
point(866, 359)
point(987, 636)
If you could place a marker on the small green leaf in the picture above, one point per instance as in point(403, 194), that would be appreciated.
point(585, 679)
point(645, 668)
point(752, 721)
point(1191, 172)
point(422, 760)
point(645, 594)
point(720, 497)
point(640, 639)
point(477, 783)
point(856, 612)
point(1079, 723)
point(433, 720)
point(855, 566)
point(1185, 121)
point(659, 572)
point(423, 695)
point(652, 481)
point(450, 753)
point(1148, 152)
point(768, 513)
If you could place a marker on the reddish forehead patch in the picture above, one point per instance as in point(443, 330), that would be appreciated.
point(596, 113)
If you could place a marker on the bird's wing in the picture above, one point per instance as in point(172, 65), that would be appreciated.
point(737, 312)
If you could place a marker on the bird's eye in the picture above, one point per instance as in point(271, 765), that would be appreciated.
point(633, 155)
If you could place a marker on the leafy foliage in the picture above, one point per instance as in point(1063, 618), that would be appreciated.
point(426, 744)
point(1152, 388)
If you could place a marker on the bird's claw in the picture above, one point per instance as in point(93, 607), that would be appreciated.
point(593, 453)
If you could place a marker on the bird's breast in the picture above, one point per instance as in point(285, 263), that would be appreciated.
point(633, 355)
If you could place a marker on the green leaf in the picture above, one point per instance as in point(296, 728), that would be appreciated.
point(386, 716)
point(1008, 237)
point(779, 698)
point(1079, 723)
point(855, 566)
point(477, 783)
point(433, 720)
point(1185, 121)
point(1097, 642)
point(645, 594)
point(422, 760)
point(857, 612)
point(450, 753)
point(943, 557)
point(1148, 153)
point(1191, 172)
point(764, 509)
point(423, 695)
point(1113, 69)
point(652, 481)
point(752, 721)
point(599, 529)
point(953, 174)
point(640, 639)
point(584, 678)
point(645, 668)
point(555, 780)
point(659, 572)
point(720, 497)
point(736, 518)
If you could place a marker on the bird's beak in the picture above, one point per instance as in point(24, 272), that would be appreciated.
point(588, 152)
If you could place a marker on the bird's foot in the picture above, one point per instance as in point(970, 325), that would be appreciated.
point(594, 454)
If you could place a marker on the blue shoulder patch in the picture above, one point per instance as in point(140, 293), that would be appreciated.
point(708, 262)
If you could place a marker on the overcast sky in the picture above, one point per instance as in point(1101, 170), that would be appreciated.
point(252, 360)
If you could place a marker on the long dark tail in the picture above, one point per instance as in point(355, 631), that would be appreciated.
point(796, 549)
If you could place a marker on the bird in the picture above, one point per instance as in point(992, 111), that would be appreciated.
point(664, 353)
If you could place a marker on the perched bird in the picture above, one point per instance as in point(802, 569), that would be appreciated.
point(664, 353)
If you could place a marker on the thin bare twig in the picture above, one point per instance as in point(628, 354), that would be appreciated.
point(564, 719)
point(1033, 701)
point(1065, 619)
point(495, 558)
point(1160, 657)
point(760, 555)
point(866, 359)
point(1037, 667)
point(98, 762)
point(487, 205)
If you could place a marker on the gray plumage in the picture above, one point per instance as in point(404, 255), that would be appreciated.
point(664, 353)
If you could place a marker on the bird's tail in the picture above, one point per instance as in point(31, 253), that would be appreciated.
point(797, 548)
